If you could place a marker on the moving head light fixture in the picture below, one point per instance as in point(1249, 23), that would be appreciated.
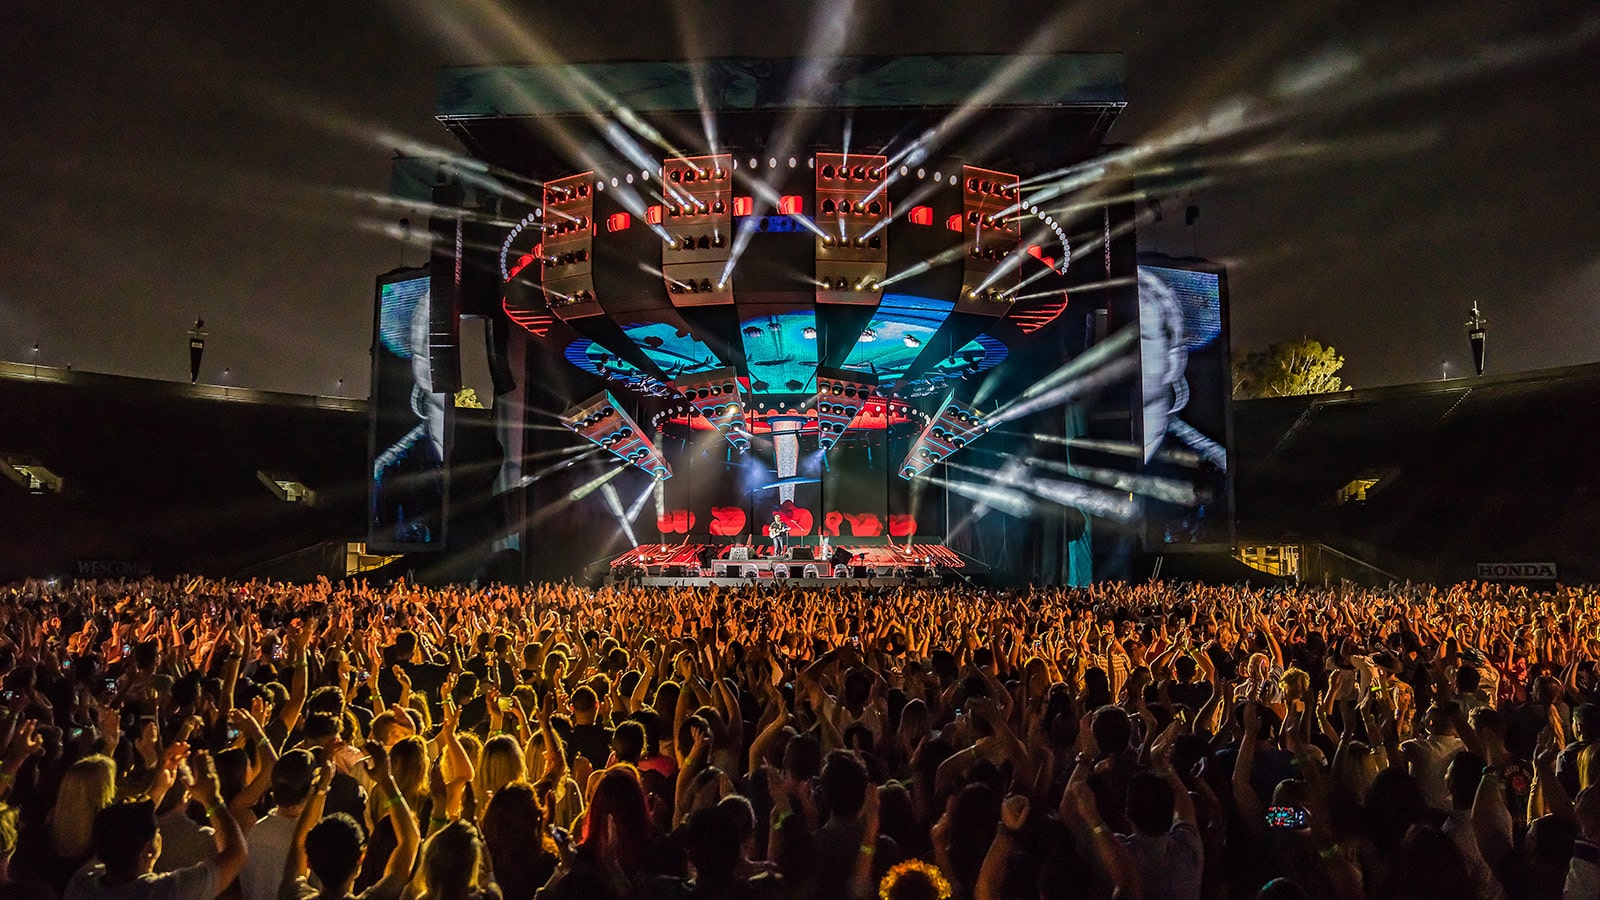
point(991, 230)
point(716, 396)
point(956, 426)
point(568, 247)
point(841, 396)
point(852, 212)
point(602, 420)
point(697, 214)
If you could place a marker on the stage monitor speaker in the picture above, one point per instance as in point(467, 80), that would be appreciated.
point(802, 553)
point(840, 556)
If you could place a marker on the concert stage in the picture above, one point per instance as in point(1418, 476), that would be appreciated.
point(861, 565)
point(860, 330)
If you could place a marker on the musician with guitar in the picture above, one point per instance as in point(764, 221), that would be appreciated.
point(779, 533)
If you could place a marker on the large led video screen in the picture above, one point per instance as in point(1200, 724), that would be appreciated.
point(716, 491)
point(1187, 386)
point(409, 491)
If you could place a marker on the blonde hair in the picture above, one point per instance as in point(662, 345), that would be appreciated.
point(87, 787)
point(408, 761)
point(418, 702)
point(500, 763)
point(1295, 683)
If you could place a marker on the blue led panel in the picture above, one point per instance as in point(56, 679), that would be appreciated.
point(882, 348)
point(675, 352)
point(780, 352)
point(597, 360)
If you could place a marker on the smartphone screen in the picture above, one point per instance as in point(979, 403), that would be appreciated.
point(1287, 817)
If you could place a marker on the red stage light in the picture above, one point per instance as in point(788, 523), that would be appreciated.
point(920, 215)
point(1036, 251)
point(522, 263)
point(790, 204)
point(652, 214)
point(742, 206)
point(618, 221)
point(953, 223)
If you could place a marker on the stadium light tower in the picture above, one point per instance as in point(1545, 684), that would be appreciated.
point(1476, 326)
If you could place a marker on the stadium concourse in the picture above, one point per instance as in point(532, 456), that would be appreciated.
point(173, 738)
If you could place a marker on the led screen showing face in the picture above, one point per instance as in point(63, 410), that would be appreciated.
point(1183, 357)
point(902, 326)
point(780, 352)
point(894, 337)
point(410, 428)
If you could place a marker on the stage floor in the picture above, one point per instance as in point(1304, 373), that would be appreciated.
point(768, 581)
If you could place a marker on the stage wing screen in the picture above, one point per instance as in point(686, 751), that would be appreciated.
point(409, 490)
point(1187, 385)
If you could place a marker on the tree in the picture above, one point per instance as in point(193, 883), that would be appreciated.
point(1286, 369)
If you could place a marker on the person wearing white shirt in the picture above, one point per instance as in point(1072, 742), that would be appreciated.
point(273, 834)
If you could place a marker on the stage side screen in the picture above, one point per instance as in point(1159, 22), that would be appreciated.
point(1187, 387)
point(409, 491)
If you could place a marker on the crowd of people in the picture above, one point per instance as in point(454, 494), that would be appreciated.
point(197, 739)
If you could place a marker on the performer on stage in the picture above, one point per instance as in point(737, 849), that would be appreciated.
point(779, 533)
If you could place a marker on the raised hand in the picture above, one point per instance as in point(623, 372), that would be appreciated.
point(377, 762)
point(23, 743)
point(203, 779)
point(1014, 812)
point(1081, 802)
point(400, 675)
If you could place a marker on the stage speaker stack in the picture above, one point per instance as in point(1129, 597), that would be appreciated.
point(444, 290)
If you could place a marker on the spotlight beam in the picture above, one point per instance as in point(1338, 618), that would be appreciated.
point(594, 484)
point(614, 503)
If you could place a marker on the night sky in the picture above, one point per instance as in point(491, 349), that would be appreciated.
point(159, 164)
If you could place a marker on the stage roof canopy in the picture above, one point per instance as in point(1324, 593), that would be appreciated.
point(1083, 80)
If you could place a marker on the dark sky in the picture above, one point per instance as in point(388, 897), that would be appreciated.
point(159, 163)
